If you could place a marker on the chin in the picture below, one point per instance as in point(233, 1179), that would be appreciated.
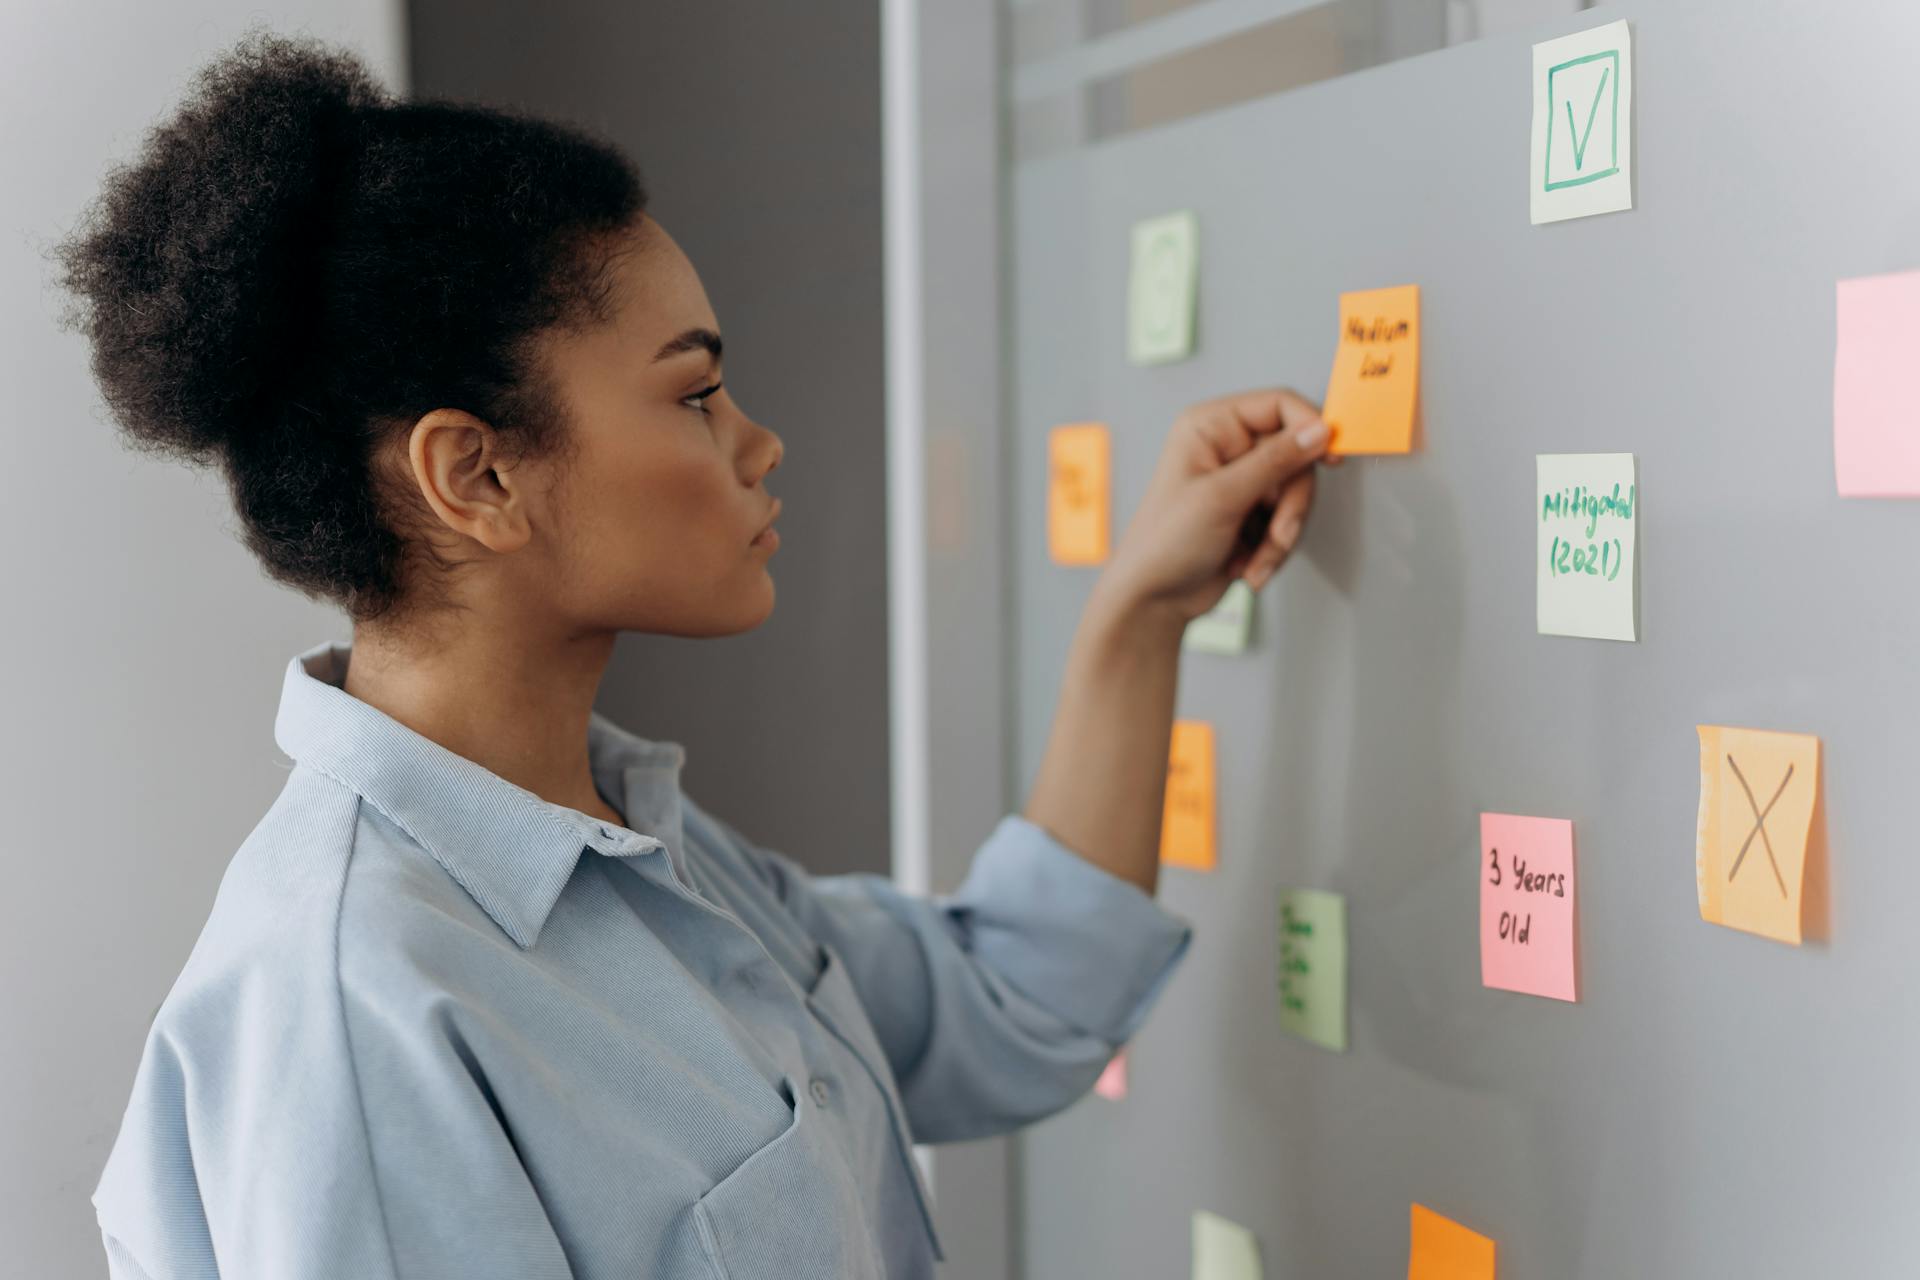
point(752, 608)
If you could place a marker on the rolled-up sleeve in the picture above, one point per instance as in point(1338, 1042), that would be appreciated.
point(1002, 1002)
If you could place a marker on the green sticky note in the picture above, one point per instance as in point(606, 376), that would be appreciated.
point(1313, 966)
point(1223, 1249)
point(1225, 627)
point(1160, 288)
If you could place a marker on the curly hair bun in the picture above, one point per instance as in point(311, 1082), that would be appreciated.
point(197, 267)
point(297, 267)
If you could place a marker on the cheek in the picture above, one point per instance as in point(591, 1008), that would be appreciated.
point(672, 508)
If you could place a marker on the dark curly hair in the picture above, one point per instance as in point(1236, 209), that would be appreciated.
point(298, 266)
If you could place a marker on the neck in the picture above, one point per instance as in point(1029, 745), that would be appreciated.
point(512, 702)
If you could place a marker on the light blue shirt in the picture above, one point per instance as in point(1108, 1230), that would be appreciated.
point(436, 1026)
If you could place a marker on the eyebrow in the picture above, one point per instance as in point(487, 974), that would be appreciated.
point(692, 340)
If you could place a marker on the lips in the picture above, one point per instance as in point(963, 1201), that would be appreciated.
point(767, 531)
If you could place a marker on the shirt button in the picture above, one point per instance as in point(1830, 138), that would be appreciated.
point(820, 1091)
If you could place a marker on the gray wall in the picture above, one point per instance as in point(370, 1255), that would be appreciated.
point(143, 648)
point(1717, 1105)
point(757, 128)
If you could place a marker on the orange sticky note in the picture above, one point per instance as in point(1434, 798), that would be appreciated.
point(1186, 821)
point(1079, 472)
point(1376, 372)
point(1112, 1084)
point(1442, 1249)
point(1757, 791)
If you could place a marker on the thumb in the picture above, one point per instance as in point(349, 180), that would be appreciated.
point(1256, 475)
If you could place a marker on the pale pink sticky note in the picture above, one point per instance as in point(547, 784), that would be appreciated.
point(1876, 386)
point(1112, 1083)
point(1526, 905)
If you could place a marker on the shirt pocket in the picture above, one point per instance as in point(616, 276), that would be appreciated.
point(791, 1210)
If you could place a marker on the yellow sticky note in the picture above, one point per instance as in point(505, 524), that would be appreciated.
point(1442, 1249)
point(1079, 469)
point(1757, 792)
point(1376, 372)
point(1186, 820)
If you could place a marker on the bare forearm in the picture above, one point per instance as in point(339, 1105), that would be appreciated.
point(1103, 778)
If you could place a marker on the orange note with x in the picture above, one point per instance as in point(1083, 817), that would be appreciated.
point(1757, 791)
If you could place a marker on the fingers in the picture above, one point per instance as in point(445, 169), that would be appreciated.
point(1261, 471)
point(1283, 531)
point(1233, 424)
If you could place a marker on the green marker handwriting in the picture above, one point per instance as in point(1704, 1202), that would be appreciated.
point(1581, 501)
point(1580, 143)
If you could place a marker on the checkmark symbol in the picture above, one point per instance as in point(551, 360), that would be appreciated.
point(1580, 140)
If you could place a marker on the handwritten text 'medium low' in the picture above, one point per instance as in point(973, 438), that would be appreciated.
point(1379, 329)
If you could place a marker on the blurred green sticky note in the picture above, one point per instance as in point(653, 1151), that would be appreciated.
point(1223, 1250)
point(1313, 966)
point(1160, 288)
point(1225, 627)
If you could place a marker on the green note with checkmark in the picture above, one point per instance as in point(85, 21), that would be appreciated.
point(1582, 160)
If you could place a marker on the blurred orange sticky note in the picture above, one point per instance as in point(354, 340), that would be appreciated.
point(1376, 372)
point(1079, 469)
point(1186, 822)
point(1757, 792)
point(1442, 1249)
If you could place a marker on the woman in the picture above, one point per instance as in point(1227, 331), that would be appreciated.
point(484, 994)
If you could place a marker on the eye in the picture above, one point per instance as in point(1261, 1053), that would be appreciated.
point(698, 400)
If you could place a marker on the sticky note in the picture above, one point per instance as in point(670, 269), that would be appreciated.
point(1876, 388)
point(1223, 1249)
point(1757, 791)
point(1313, 966)
point(1442, 1249)
point(1160, 288)
point(1186, 821)
point(1586, 516)
point(1112, 1084)
point(1527, 905)
point(1225, 627)
point(1581, 160)
point(1079, 471)
point(1375, 384)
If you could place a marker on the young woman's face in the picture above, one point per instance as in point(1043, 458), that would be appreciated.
point(662, 521)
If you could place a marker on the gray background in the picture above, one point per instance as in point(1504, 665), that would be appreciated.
point(1716, 1105)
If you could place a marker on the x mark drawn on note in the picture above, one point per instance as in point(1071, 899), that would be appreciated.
point(1759, 824)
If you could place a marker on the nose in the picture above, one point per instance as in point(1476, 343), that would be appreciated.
point(765, 452)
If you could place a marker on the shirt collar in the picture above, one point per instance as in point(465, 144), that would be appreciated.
point(512, 851)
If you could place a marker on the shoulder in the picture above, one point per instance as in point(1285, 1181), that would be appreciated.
point(322, 885)
point(247, 1075)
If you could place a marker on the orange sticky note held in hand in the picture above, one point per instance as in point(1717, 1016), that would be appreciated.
point(1757, 793)
point(1375, 384)
point(1186, 820)
point(1442, 1249)
point(1079, 480)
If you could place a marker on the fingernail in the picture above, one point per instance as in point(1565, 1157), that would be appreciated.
point(1288, 533)
point(1312, 436)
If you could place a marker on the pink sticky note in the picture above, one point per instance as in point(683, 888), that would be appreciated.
point(1112, 1083)
point(1876, 386)
point(1526, 905)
